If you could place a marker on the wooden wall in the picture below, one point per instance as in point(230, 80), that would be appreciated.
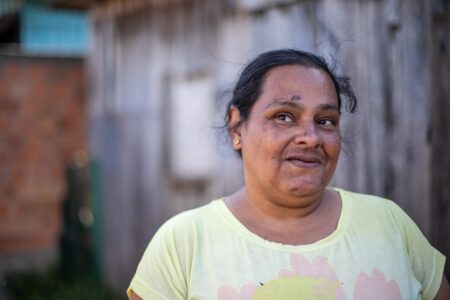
point(146, 52)
point(438, 42)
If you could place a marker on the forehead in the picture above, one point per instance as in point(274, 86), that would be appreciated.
point(298, 79)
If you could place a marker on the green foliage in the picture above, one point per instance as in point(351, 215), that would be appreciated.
point(51, 285)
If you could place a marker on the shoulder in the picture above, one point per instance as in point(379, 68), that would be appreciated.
point(195, 215)
point(370, 203)
point(385, 222)
point(188, 222)
point(165, 266)
point(383, 213)
point(375, 211)
point(177, 238)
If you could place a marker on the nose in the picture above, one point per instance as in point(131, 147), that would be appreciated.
point(307, 135)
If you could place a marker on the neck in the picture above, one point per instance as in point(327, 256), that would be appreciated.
point(310, 219)
point(298, 207)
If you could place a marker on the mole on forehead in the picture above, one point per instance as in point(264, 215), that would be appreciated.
point(296, 98)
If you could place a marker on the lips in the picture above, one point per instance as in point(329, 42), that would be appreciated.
point(304, 160)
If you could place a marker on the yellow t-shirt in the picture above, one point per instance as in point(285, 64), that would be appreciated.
point(376, 252)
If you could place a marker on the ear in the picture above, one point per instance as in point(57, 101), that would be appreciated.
point(235, 127)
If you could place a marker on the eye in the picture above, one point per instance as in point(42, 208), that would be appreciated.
point(283, 117)
point(327, 122)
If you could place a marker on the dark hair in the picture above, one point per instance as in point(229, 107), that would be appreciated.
point(248, 88)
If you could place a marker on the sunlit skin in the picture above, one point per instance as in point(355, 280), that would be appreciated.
point(291, 142)
point(290, 146)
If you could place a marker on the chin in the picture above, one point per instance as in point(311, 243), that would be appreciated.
point(305, 188)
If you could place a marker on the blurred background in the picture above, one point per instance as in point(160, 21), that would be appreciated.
point(110, 115)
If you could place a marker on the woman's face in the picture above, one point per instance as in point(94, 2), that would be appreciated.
point(291, 141)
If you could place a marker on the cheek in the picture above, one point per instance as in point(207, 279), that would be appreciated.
point(274, 141)
point(264, 139)
point(333, 145)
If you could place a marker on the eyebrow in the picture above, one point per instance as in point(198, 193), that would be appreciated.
point(297, 105)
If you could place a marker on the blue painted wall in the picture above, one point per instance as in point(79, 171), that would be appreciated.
point(49, 31)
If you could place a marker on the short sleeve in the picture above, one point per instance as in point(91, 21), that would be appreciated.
point(161, 273)
point(427, 263)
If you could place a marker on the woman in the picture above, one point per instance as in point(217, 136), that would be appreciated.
point(285, 234)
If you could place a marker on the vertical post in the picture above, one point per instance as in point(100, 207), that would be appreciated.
point(439, 127)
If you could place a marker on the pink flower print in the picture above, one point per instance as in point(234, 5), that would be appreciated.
point(376, 287)
point(317, 268)
point(228, 293)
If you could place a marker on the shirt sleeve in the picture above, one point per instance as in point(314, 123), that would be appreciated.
point(427, 263)
point(161, 273)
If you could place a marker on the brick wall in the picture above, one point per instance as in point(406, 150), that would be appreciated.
point(42, 129)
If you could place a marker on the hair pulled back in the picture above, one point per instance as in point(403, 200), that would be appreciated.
point(249, 85)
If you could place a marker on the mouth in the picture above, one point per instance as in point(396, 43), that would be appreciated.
point(304, 160)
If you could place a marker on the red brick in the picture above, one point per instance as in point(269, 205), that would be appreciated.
point(42, 125)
